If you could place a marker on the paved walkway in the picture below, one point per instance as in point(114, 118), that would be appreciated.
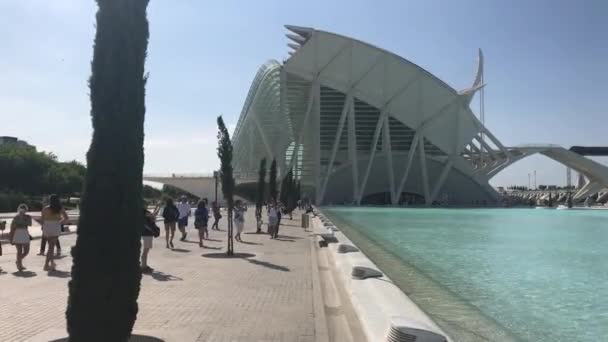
point(195, 294)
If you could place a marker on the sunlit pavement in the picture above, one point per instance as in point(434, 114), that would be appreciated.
point(195, 294)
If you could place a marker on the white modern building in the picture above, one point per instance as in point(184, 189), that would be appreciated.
point(360, 124)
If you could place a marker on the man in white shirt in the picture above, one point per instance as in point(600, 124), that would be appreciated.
point(184, 209)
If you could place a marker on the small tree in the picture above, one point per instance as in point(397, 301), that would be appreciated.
point(260, 194)
point(286, 187)
point(272, 182)
point(224, 153)
point(102, 302)
point(299, 191)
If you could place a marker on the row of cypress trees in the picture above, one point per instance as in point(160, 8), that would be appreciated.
point(105, 285)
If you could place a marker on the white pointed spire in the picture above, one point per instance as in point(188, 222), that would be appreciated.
point(477, 82)
point(299, 30)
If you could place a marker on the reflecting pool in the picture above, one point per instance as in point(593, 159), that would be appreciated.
point(493, 274)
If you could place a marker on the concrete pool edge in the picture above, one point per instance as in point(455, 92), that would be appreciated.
point(375, 300)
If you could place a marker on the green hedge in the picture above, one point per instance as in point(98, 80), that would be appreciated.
point(10, 201)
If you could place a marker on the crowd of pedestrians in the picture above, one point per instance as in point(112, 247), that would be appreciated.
point(54, 220)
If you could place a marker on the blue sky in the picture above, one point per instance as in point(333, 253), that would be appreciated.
point(546, 68)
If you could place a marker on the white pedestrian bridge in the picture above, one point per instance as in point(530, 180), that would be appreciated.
point(201, 185)
point(595, 173)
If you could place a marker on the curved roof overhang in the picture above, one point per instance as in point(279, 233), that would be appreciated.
point(388, 82)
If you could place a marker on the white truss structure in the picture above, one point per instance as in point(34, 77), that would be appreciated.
point(353, 120)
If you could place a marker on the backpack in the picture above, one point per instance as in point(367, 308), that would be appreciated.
point(151, 226)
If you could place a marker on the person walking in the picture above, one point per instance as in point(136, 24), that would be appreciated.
point(201, 219)
point(170, 216)
point(239, 218)
point(19, 235)
point(185, 211)
point(52, 217)
point(150, 231)
point(280, 209)
point(215, 208)
point(272, 219)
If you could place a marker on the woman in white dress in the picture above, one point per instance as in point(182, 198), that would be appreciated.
point(273, 219)
point(52, 218)
point(239, 219)
point(20, 236)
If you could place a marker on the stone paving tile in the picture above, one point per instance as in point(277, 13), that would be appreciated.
point(267, 297)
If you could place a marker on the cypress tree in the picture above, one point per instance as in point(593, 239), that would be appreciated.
point(272, 182)
point(102, 303)
point(285, 188)
point(260, 192)
point(299, 191)
point(224, 153)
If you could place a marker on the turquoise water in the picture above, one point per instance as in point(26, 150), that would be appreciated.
point(541, 275)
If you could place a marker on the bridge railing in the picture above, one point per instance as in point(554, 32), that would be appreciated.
point(237, 175)
point(178, 175)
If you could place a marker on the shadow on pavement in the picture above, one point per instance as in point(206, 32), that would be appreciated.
point(214, 240)
point(286, 240)
point(59, 274)
point(250, 243)
point(160, 276)
point(134, 338)
point(256, 233)
point(24, 274)
point(226, 256)
point(269, 265)
point(181, 250)
point(289, 237)
point(211, 247)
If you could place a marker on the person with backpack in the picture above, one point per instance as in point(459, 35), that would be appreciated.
point(201, 219)
point(170, 216)
point(150, 231)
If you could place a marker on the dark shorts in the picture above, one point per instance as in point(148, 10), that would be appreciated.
point(183, 221)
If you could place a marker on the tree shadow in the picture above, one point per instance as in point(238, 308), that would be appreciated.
point(59, 274)
point(226, 256)
point(250, 243)
point(161, 276)
point(211, 247)
point(268, 265)
point(24, 274)
point(181, 250)
point(134, 338)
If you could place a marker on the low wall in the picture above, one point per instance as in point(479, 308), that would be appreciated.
point(375, 300)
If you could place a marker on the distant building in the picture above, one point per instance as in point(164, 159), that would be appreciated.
point(13, 140)
point(356, 123)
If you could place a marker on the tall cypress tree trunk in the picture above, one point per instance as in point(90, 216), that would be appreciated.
point(102, 304)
